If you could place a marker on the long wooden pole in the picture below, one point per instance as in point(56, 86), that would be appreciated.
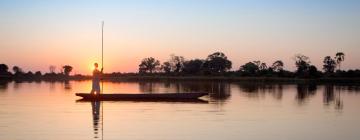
point(102, 44)
point(102, 81)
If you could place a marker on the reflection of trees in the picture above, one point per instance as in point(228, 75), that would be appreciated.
point(304, 91)
point(217, 90)
point(67, 85)
point(52, 85)
point(330, 97)
point(3, 85)
point(146, 86)
point(260, 89)
point(328, 94)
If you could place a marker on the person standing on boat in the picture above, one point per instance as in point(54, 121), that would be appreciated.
point(96, 80)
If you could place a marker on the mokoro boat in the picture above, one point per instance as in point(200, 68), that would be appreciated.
point(142, 96)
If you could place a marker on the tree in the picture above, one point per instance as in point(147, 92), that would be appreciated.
point(339, 57)
point(17, 70)
point(52, 68)
point(262, 67)
point(217, 62)
point(67, 69)
point(302, 63)
point(148, 65)
point(329, 64)
point(277, 66)
point(176, 63)
point(313, 71)
point(38, 74)
point(250, 68)
point(193, 66)
point(4, 69)
point(166, 67)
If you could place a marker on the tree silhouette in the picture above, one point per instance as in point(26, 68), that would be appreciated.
point(302, 63)
point(17, 70)
point(329, 64)
point(217, 62)
point(176, 63)
point(4, 69)
point(148, 65)
point(67, 69)
point(166, 67)
point(263, 66)
point(277, 66)
point(339, 57)
point(52, 68)
point(250, 68)
point(38, 74)
point(313, 71)
point(193, 66)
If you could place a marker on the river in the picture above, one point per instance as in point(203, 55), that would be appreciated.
point(232, 111)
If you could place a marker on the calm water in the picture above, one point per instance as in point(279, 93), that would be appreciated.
point(233, 111)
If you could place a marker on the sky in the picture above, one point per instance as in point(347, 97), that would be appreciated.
point(35, 34)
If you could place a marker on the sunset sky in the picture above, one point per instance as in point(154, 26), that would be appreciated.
point(36, 34)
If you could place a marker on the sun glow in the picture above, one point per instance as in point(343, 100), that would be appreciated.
point(91, 67)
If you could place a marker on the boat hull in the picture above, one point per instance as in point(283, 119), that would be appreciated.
point(143, 96)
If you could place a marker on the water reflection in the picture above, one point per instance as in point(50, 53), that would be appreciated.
point(3, 85)
point(255, 90)
point(67, 85)
point(305, 91)
point(330, 97)
point(216, 90)
point(95, 106)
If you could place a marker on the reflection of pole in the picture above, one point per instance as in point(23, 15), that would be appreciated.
point(95, 106)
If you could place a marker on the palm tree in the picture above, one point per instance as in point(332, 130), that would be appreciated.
point(340, 56)
point(67, 69)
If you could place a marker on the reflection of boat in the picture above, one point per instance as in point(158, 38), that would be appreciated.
point(143, 96)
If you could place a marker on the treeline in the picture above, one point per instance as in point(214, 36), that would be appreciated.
point(19, 73)
point(217, 64)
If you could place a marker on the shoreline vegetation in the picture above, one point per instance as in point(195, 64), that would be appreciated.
point(216, 67)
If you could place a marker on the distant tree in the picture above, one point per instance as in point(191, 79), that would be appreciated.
point(166, 67)
point(4, 69)
point(38, 74)
point(193, 66)
point(176, 63)
point(52, 68)
point(302, 63)
point(148, 65)
point(339, 57)
point(257, 63)
point(29, 74)
point(263, 67)
point(17, 70)
point(313, 71)
point(250, 68)
point(277, 66)
point(67, 69)
point(329, 64)
point(217, 62)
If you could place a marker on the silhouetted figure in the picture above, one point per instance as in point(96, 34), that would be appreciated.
point(96, 80)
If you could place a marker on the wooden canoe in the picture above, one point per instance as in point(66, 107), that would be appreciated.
point(142, 96)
